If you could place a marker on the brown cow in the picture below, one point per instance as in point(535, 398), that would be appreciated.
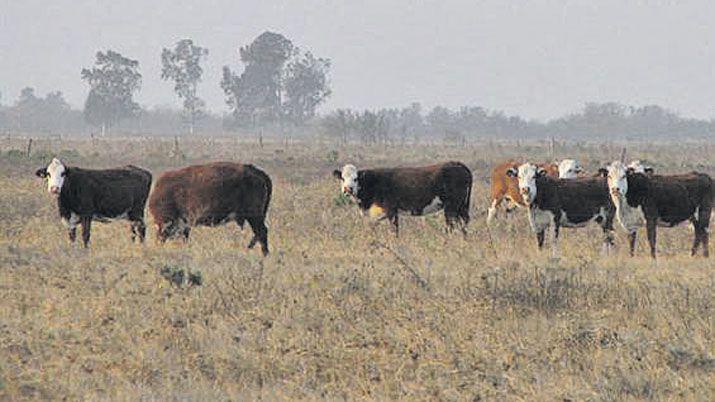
point(211, 195)
point(658, 200)
point(383, 193)
point(505, 187)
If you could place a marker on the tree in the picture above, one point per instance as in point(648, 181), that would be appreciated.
point(183, 66)
point(112, 81)
point(255, 95)
point(278, 83)
point(306, 86)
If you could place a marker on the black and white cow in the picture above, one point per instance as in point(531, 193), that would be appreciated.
point(570, 203)
point(84, 195)
point(384, 193)
point(656, 200)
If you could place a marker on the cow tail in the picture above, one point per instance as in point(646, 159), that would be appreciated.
point(468, 198)
point(269, 190)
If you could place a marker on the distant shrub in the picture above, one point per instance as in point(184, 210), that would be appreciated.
point(332, 156)
point(179, 277)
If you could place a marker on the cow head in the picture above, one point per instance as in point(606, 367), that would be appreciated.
point(637, 166)
point(618, 179)
point(55, 174)
point(167, 229)
point(570, 169)
point(527, 175)
point(349, 178)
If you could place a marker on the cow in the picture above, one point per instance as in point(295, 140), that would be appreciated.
point(636, 166)
point(658, 200)
point(505, 187)
point(555, 202)
point(384, 193)
point(211, 195)
point(570, 169)
point(84, 195)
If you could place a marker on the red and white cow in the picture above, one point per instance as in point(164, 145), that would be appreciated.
point(506, 188)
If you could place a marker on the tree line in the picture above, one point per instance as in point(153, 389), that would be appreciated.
point(595, 121)
point(280, 85)
point(279, 91)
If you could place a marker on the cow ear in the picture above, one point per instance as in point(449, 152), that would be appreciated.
point(41, 173)
point(337, 174)
point(648, 170)
point(602, 172)
point(511, 172)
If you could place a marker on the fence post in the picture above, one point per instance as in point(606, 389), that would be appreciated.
point(29, 147)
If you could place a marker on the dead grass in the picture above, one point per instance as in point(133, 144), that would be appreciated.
point(341, 309)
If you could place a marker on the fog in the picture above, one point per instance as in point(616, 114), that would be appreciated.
point(540, 60)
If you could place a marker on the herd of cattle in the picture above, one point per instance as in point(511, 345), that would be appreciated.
point(555, 196)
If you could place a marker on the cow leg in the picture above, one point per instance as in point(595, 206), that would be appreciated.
point(449, 218)
point(705, 237)
point(632, 242)
point(493, 210)
point(607, 241)
point(138, 229)
point(555, 242)
point(72, 232)
point(696, 237)
point(141, 229)
point(395, 221)
point(253, 242)
point(540, 239)
point(186, 232)
point(650, 229)
point(86, 223)
point(704, 219)
point(464, 221)
point(240, 222)
point(260, 232)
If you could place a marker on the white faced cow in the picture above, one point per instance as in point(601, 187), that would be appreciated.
point(384, 193)
point(83, 195)
point(504, 187)
point(560, 203)
point(637, 166)
point(661, 201)
point(570, 169)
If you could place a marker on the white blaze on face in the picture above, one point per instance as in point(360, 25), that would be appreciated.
point(617, 180)
point(55, 176)
point(630, 218)
point(350, 185)
point(636, 166)
point(527, 182)
point(569, 169)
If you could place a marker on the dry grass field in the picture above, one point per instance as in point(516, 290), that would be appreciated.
point(341, 309)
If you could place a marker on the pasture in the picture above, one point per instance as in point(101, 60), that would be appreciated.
point(341, 309)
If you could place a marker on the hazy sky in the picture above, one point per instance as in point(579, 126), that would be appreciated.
point(540, 59)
